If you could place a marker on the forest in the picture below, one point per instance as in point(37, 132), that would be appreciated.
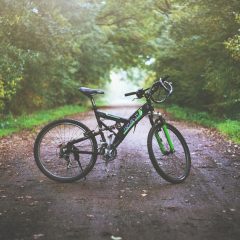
point(49, 48)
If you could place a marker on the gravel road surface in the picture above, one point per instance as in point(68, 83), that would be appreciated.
point(133, 201)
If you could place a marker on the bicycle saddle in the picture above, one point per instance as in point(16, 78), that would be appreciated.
point(89, 91)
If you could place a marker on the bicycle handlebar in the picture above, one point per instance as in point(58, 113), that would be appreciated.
point(167, 86)
point(129, 94)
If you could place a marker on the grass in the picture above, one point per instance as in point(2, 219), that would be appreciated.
point(231, 129)
point(101, 102)
point(228, 127)
point(10, 125)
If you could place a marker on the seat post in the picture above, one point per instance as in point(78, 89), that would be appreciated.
point(94, 107)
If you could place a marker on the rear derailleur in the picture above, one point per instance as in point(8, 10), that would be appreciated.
point(65, 153)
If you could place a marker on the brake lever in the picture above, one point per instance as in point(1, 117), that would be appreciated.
point(163, 84)
point(170, 89)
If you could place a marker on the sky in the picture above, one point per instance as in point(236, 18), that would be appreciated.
point(118, 86)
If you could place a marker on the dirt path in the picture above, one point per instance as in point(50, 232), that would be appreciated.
point(206, 206)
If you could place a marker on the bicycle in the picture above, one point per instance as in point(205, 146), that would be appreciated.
point(66, 150)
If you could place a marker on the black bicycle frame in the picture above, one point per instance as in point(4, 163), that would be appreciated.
point(128, 124)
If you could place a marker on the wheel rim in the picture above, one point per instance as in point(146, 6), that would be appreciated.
point(172, 164)
point(51, 149)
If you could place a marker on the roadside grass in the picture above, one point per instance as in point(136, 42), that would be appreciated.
point(10, 124)
point(228, 127)
point(231, 129)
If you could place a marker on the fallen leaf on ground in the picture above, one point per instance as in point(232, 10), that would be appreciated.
point(39, 235)
point(115, 238)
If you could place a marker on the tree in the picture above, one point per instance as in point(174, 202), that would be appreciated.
point(50, 47)
point(192, 50)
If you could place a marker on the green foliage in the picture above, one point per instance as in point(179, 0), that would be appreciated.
point(233, 43)
point(130, 27)
point(230, 128)
point(11, 64)
point(48, 49)
point(192, 49)
point(10, 124)
point(51, 47)
point(188, 114)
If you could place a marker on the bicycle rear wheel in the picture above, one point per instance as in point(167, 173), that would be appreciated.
point(56, 159)
point(172, 163)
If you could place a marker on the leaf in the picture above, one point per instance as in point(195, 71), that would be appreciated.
point(115, 238)
point(37, 236)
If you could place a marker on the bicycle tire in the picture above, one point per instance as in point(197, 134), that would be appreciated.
point(161, 162)
point(47, 149)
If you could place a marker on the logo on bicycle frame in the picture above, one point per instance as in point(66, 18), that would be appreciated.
point(134, 119)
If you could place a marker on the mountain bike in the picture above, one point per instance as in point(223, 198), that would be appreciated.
point(66, 150)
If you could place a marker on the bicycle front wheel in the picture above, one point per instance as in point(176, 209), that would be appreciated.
point(169, 153)
point(56, 159)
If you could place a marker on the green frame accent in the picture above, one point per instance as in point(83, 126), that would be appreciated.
point(168, 137)
point(140, 113)
point(160, 143)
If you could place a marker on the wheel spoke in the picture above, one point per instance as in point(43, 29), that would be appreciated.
point(174, 167)
point(52, 152)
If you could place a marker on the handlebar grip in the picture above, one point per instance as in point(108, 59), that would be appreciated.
point(129, 94)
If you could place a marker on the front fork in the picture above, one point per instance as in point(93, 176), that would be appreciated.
point(160, 120)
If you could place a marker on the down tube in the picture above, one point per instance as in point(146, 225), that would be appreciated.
point(132, 121)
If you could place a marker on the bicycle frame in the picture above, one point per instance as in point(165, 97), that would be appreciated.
point(128, 124)
point(60, 147)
